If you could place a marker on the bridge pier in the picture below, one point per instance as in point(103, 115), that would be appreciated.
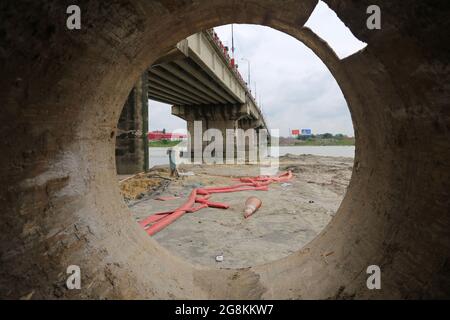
point(131, 137)
point(220, 117)
point(246, 123)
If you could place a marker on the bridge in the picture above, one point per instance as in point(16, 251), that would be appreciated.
point(202, 83)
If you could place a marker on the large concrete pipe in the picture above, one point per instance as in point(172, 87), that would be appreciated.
point(61, 95)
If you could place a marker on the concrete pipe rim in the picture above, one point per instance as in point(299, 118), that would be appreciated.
point(70, 207)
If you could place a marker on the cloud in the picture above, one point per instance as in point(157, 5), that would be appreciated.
point(160, 117)
point(327, 25)
point(295, 87)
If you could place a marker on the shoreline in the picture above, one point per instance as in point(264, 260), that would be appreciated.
point(280, 145)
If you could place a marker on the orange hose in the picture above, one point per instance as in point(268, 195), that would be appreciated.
point(160, 220)
point(162, 223)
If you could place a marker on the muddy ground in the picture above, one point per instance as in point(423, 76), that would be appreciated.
point(291, 215)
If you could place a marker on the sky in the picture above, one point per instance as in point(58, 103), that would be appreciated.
point(292, 85)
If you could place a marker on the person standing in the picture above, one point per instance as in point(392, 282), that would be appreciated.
point(173, 162)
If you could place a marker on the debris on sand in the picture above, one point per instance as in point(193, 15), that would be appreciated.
point(251, 206)
point(167, 198)
point(141, 184)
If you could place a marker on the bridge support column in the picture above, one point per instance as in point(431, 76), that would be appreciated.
point(220, 117)
point(251, 144)
point(216, 117)
point(132, 128)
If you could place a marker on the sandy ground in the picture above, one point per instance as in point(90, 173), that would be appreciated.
point(290, 216)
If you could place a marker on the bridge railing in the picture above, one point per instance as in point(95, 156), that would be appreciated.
point(231, 63)
point(212, 35)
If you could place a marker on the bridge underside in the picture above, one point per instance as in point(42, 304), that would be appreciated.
point(183, 82)
point(201, 93)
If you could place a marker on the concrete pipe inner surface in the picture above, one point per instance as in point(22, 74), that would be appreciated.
point(62, 92)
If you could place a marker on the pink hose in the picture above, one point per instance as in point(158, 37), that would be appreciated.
point(160, 220)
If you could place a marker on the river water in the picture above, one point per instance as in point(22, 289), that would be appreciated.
point(158, 156)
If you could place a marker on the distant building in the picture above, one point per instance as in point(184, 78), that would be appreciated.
point(160, 135)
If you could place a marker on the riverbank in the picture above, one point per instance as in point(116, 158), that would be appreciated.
point(322, 142)
point(162, 143)
point(294, 142)
point(291, 215)
point(337, 140)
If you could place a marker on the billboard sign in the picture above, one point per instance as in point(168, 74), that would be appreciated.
point(306, 132)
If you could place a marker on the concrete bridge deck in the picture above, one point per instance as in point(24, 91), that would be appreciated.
point(198, 73)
